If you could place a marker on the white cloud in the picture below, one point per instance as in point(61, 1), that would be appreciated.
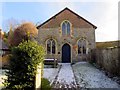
point(108, 26)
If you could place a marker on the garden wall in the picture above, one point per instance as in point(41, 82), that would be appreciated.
point(108, 59)
point(4, 61)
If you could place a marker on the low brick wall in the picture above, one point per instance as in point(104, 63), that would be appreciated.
point(108, 59)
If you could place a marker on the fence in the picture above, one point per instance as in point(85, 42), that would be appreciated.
point(108, 59)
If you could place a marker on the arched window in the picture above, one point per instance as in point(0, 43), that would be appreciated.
point(51, 46)
point(82, 46)
point(65, 28)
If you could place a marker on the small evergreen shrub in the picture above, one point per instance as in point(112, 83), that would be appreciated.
point(23, 65)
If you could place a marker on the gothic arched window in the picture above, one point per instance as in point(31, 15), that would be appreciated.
point(51, 46)
point(65, 28)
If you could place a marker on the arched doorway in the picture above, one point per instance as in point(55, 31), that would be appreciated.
point(66, 53)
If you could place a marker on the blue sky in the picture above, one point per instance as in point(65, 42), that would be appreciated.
point(102, 14)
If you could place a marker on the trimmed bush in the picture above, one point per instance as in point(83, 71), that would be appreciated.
point(23, 65)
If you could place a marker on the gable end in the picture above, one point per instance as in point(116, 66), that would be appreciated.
point(63, 11)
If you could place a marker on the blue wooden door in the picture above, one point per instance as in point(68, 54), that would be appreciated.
point(66, 53)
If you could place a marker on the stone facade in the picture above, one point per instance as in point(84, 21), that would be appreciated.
point(80, 29)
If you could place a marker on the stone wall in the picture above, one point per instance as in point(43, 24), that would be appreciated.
point(108, 59)
point(80, 28)
point(76, 33)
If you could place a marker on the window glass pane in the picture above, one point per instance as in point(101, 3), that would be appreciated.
point(53, 47)
point(84, 46)
point(84, 50)
point(48, 46)
point(63, 29)
point(79, 47)
point(84, 43)
point(68, 28)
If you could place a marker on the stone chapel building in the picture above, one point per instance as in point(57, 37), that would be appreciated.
point(67, 37)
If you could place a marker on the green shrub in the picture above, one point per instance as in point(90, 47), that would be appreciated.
point(23, 65)
point(45, 84)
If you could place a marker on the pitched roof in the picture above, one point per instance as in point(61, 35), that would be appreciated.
point(63, 11)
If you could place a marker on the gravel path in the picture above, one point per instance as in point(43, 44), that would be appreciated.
point(65, 78)
point(88, 76)
point(50, 74)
